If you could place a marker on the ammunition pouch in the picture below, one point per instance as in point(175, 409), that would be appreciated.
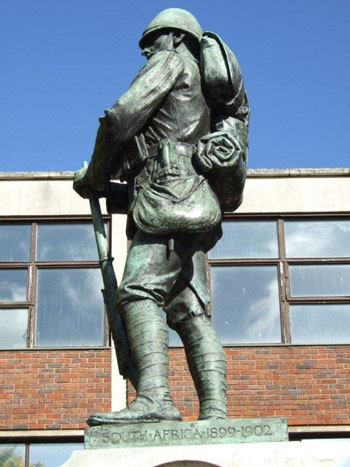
point(171, 197)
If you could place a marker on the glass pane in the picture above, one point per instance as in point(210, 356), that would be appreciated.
point(317, 239)
point(174, 339)
point(13, 285)
point(70, 307)
point(320, 280)
point(13, 328)
point(66, 242)
point(51, 455)
point(246, 303)
point(320, 324)
point(247, 239)
point(12, 455)
point(15, 242)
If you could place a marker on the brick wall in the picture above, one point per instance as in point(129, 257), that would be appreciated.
point(309, 385)
point(55, 389)
point(58, 389)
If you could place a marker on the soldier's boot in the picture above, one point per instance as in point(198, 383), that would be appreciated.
point(148, 337)
point(207, 363)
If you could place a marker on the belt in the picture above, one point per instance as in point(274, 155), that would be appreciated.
point(182, 149)
point(151, 169)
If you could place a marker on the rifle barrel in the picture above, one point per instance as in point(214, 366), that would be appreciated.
point(125, 360)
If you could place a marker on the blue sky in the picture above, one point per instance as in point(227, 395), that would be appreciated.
point(64, 62)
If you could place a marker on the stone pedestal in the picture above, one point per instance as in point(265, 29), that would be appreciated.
point(225, 443)
point(325, 453)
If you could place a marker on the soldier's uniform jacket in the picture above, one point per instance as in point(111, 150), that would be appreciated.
point(164, 102)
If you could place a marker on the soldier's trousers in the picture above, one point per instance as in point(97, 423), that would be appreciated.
point(176, 280)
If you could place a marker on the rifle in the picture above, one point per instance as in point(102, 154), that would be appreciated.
point(116, 323)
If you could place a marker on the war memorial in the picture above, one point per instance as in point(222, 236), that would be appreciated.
point(210, 348)
point(179, 139)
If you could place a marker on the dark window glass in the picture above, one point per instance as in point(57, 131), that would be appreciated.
point(70, 307)
point(13, 328)
point(247, 239)
point(320, 280)
point(52, 455)
point(320, 324)
point(13, 285)
point(66, 242)
point(12, 455)
point(246, 303)
point(15, 242)
point(317, 239)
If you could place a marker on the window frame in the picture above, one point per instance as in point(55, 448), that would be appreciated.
point(283, 263)
point(43, 438)
point(32, 266)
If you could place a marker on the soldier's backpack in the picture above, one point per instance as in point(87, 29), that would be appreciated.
point(221, 74)
point(223, 153)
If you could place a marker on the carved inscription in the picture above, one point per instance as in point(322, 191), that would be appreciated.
point(192, 433)
point(165, 433)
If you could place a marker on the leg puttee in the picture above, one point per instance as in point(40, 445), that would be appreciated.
point(207, 363)
point(148, 337)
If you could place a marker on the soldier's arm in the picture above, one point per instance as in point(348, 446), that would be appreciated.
point(130, 113)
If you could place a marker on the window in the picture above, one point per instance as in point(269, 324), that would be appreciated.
point(37, 454)
point(50, 285)
point(284, 280)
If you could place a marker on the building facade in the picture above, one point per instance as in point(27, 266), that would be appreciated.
point(280, 288)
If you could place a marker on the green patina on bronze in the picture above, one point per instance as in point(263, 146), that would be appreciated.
point(253, 430)
point(179, 139)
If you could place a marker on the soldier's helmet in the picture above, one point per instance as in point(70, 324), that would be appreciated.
point(173, 18)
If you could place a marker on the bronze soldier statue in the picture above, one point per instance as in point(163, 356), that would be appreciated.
point(179, 138)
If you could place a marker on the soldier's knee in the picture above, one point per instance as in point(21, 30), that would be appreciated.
point(129, 292)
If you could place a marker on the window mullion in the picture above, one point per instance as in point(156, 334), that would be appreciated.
point(283, 284)
point(320, 299)
point(285, 318)
point(32, 286)
point(26, 456)
point(32, 307)
point(31, 301)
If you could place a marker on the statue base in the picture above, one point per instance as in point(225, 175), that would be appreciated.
point(316, 453)
point(170, 433)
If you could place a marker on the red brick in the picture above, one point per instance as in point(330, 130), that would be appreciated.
point(30, 374)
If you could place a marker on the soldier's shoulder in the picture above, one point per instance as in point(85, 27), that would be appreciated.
point(167, 58)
